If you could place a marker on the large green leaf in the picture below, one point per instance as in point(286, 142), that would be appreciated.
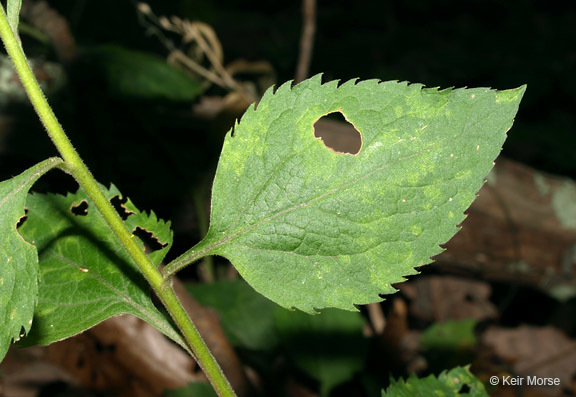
point(18, 259)
point(447, 384)
point(311, 228)
point(86, 275)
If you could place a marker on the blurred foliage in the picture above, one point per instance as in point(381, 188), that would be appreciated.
point(195, 389)
point(246, 316)
point(141, 76)
point(328, 347)
point(449, 344)
point(456, 382)
point(450, 335)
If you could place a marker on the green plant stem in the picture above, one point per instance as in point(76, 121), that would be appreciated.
point(76, 167)
point(192, 255)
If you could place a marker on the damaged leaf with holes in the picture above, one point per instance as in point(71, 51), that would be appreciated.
point(86, 276)
point(18, 259)
point(309, 227)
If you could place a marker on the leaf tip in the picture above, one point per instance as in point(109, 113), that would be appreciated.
point(513, 95)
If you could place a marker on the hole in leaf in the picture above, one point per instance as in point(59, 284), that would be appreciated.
point(118, 204)
point(81, 209)
point(22, 219)
point(465, 389)
point(150, 242)
point(338, 134)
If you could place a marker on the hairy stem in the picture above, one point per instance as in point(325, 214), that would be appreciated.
point(195, 253)
point(76, 167)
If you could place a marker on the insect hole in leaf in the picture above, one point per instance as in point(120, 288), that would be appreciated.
point(22, 218)
point(338, 134)
point(150, 241)
point(119, 205)
point(80, 209)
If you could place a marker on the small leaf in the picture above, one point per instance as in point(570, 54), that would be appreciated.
point(86, 275)
point(311, 228)
point(140, 75)
point(18, 259)
point(447, 384)
point(329, 347)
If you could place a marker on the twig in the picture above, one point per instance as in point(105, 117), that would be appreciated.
point(377, 319)
point(307, 39)
point(200, 38)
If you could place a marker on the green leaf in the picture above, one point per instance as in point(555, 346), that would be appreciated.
point(86, 275)
point(450, 335)
point(448, 383)
point(246, 317)
point(311, 228)
point(140, 75)
point(329, 347)
point(18, 259)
